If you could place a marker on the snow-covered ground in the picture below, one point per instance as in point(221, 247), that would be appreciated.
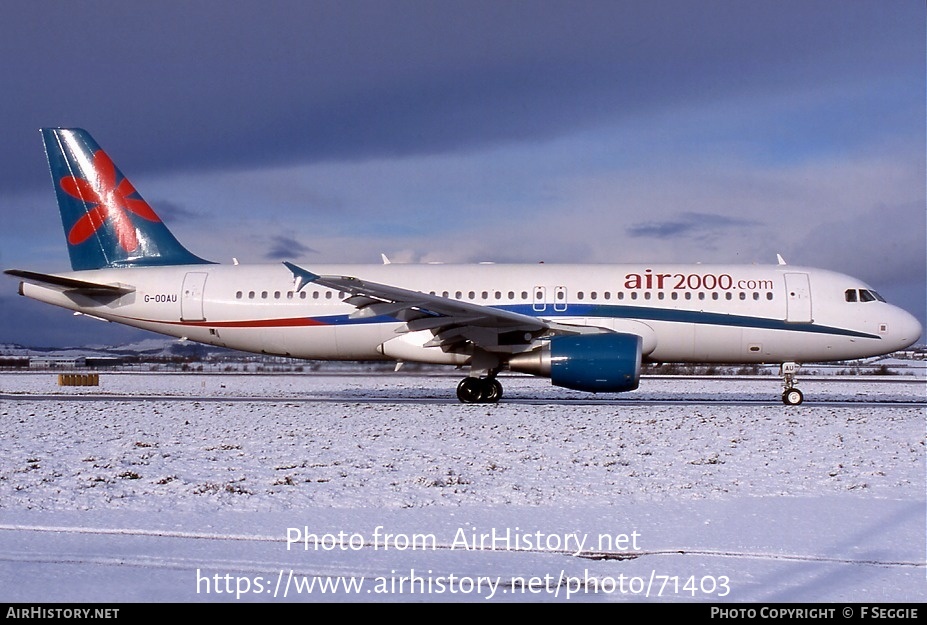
point(170, 487)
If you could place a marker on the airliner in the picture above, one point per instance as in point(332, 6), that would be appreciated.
point(585, 327)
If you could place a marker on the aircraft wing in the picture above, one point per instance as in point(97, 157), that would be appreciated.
point(71, 284)
point(451, 321)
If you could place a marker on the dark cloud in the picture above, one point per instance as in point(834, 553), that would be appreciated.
point(688, 225)
point(172, 86)
point(284, 247)
point(216, 84)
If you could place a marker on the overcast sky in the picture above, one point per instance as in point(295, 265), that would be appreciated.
point(667, 131)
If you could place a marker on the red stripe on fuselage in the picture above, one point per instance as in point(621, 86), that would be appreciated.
point(294, 322)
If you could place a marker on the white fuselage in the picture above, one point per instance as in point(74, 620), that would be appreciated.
point(684, 313)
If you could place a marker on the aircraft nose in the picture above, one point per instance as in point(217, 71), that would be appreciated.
point(907, 329)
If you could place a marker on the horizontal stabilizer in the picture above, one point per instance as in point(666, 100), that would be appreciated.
point(71, 284)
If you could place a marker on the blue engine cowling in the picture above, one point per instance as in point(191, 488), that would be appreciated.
point(598, 363)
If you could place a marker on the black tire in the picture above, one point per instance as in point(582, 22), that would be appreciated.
point(470, 391)
point(792, 397)
point(492, 391)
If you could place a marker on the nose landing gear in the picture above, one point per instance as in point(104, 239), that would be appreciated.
point(791, 396)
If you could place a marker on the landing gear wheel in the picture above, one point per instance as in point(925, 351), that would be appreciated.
point(470, 391)
point(493, 391)
point(792, 397)
point(479, 391)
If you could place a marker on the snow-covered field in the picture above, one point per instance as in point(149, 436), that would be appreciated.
point(170, 487)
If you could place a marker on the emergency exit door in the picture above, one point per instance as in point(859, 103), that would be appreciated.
point(191, 299)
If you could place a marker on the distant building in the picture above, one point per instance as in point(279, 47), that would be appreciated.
point(57, 362)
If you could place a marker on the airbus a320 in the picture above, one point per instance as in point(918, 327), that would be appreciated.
point(585, 327)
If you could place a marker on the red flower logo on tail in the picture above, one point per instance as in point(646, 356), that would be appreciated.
point(112, 203)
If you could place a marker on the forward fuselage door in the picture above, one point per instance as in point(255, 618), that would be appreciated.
point(798, 298)
point(191, 300)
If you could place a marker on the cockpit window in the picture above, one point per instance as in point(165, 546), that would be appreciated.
point(862, 295)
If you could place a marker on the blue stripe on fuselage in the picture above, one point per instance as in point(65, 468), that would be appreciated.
point(640, 313)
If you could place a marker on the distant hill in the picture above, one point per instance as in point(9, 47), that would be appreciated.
point(150, 348)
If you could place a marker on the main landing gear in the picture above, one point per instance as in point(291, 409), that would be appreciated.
point(479, 390)
point(791, 396)
point(474, 389)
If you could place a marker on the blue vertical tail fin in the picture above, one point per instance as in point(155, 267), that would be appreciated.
point(106, 221)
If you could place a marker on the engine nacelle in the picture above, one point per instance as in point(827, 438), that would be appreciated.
point(603, 363)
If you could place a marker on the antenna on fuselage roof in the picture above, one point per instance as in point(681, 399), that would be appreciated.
point(780, 259)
